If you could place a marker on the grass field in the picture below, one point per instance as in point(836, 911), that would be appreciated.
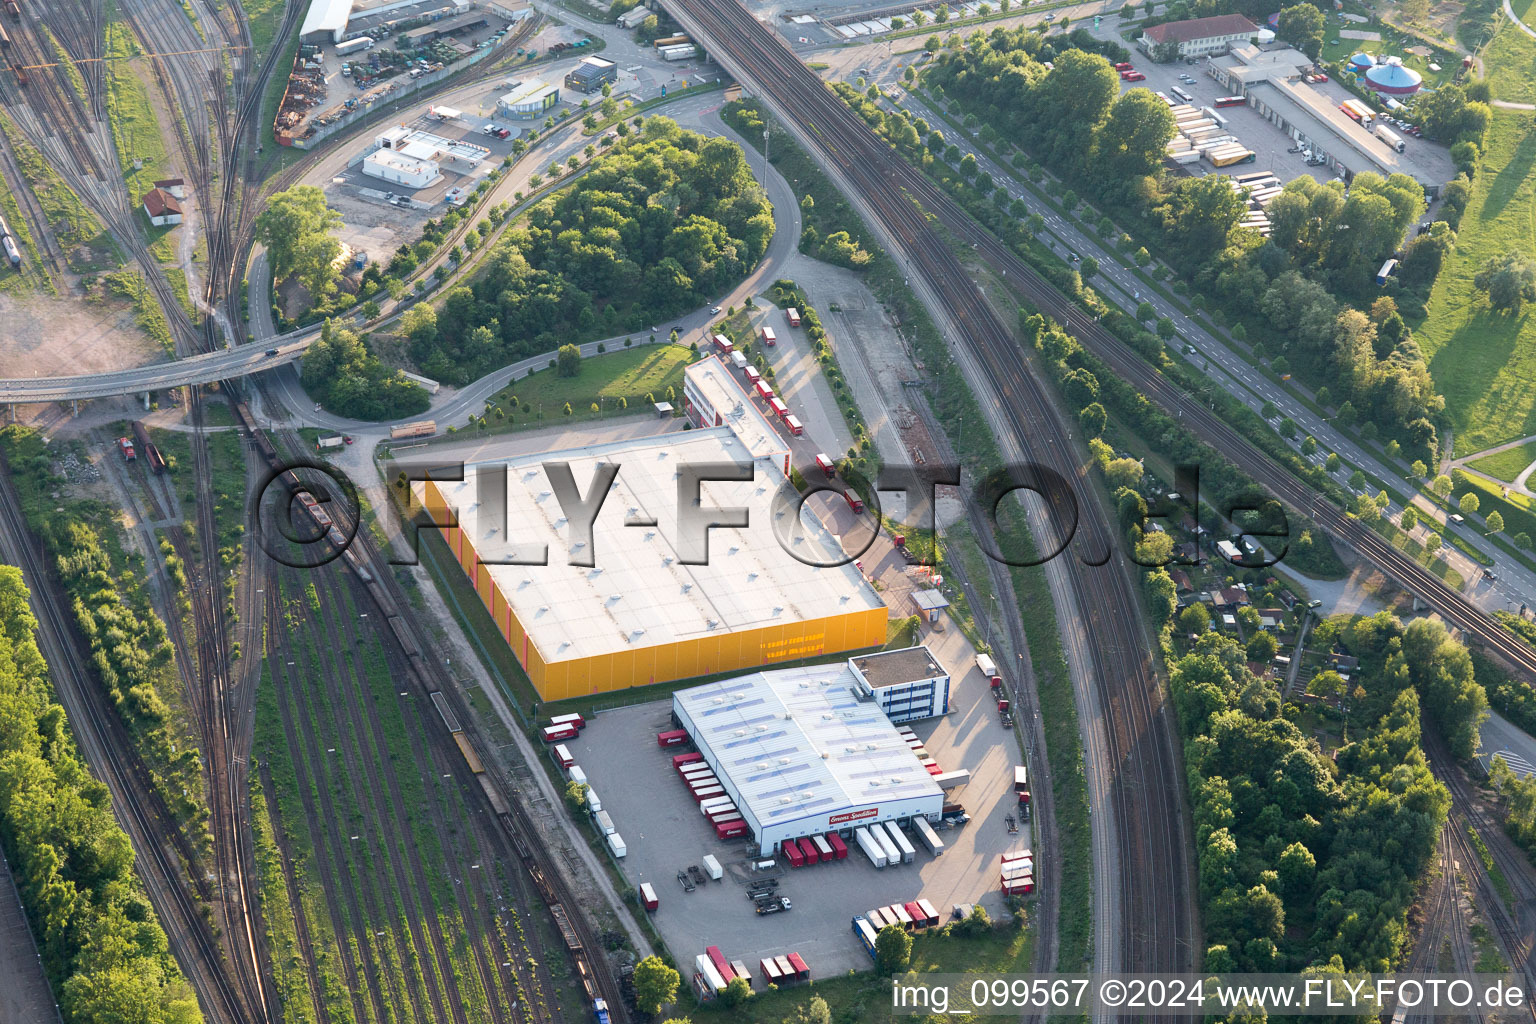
point(9, 279)
point(1511, 58)
point(135, 129)
point(1484, 362)
point(264, 17)
point(627, 374)
point(129, 284)
point(1506, 465)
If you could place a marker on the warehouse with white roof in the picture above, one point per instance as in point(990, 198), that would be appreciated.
point(768, 594)
point(805, 751)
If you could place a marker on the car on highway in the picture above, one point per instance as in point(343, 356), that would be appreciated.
point(1489, 574)
point(271, 351)
point(713, 310)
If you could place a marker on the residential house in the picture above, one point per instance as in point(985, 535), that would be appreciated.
point(162, 208)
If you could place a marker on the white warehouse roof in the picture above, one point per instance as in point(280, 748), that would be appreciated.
point(796, 745)
point(639, 593)
point(529, 93)
point(716, 385)
point(326, 16)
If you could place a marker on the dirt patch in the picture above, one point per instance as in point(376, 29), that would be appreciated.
point(1443, 17)
point(48, 337)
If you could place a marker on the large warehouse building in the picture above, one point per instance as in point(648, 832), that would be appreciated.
point(804, 751)
point(640, 615)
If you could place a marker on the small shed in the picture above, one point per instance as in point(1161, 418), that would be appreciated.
point(929, 603)
point(664, 410)
point(162, 208)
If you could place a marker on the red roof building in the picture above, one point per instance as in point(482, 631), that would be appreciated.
point(161, 207)
point(1198, 37)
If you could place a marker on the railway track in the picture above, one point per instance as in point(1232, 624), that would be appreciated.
point(102, 737)
point(418, 666)
point(1152, 886)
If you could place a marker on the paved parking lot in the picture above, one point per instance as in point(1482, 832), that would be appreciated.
point(664, 832)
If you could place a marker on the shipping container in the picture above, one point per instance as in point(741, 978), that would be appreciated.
point(1024, 854)
point(1231, 101)
point(933, 768)
point(577, 774)
point(709, 805)
point(723, 344)
point(877, 919)
point(616, 845)
point(823, 847)
point(724, 812)
point(1386, 271)
point(792, 854)
point(672, 738)
point(353, 45)
point(1020, 887)
point(901, 841)
point(420, 428)
point(604, 823)
point(562, 755)
point(903, 918)
point(796, 428)
point(752, 375)
point(839, 848)
point(769, 338)
point(779, 408)
point(593, 803)
point(712, 866)
point(866, 934)
point(1018, 869)
point(764, 390)
point(680, 761)
point(709, 973)
point(949, 780)
point(703, 781)
point(928, 836)
point(675, 53)
point(648, 896)
point(1020, 778)
point(770, 969)
point(694, 767)
point(873, 850)
point(739, 968)
point(793, 316)
point(730, 829)
point(809, 852)
point(801, 970)
point(721, 964)
point(552, 733)
point(989, 670)
point(878, 834)
point(700, 795)
point(738, 360)
point(825, 464)
point(576, 720)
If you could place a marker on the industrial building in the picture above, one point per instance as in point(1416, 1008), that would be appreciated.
point(805, 751)
point(712, 397)
point(641, 613)
point(419, 37)
point(529, 99)
point(1271, 82)
point(1200, 37)
point(399, 169)
point(453, 155)
point(331, 21)
point(908, 685)
point(325, 21)
point(592, 74)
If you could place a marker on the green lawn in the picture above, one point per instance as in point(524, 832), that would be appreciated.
point(264, 17)
point(134, 126)
point(1484, 363)
point(1506, 465)
point(87, 246)
point(1511, 58)
point(627, 374)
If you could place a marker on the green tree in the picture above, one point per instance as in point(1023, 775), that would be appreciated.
point(576, 796)
point(893, 950)
point(294, 226)
point(1495, 522)
point(1301, 25)
point(1333, 462)
point(814, 1012)
point(1262, 647)
point(1441, 485)
point(1410, 517)
point(568, 361)
point(1165, 328)
point(737, 991)
point(655, 984)
point(1469, 502)
point(1092, 418)
point(1432, 543)
point(1509, 280)
point(1195, 618)
point(1133, 139)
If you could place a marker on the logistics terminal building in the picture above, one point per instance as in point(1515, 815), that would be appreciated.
point(640, 613)
point(805, 751)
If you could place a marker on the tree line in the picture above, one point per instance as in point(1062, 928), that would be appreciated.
point(1287, 292)
point(103, 951)
point(343, 373)
point(1303, 862)
point(655, 228)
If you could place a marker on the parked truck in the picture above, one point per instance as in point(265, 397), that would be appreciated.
point(353, 45)
point(903, 846)
point(1390, 137)
point(989, 670)
point(420, 428)
point(676, 53)
point(873, 850)
point(928, 836)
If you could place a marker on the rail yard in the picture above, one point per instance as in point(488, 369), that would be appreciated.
point(383, 751)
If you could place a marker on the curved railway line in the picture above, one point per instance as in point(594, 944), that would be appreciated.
point(1158, 930)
